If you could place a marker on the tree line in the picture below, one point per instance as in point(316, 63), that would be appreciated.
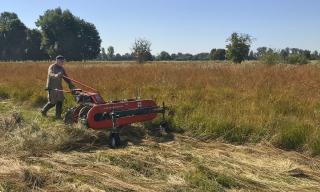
point(60, 33)
point(237, 50)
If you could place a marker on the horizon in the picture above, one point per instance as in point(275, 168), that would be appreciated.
point(188, 27)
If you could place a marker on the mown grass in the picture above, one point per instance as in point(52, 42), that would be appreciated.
point(26, 133)
point(41, 154)
point(237, 103)
point(204, 179)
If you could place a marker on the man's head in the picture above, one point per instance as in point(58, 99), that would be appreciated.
point(60, 60)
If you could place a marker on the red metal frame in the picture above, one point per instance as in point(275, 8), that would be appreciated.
point(99, 107)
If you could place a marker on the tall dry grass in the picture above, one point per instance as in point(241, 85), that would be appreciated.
point(238, 103)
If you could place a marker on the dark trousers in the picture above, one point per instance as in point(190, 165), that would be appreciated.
point(49, 105)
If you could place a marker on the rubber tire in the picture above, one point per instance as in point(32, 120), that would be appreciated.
point(165, 126)
point(83, 115)
point(114, 140)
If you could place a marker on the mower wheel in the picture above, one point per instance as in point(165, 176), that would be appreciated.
point(114, 140)
point(83, 115)
point(164, 126)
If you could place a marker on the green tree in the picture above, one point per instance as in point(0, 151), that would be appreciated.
point(238, 47)
point(117, 57)
point(212, 52)
point(284, 53)
point(201, 56)
point(88, 40)
point(164, 56)
point(307, 53)
point(13, 37)
point(261, 51)
point(251, 55)
point(315, 55)
point(110, 53)
point(141, 50)
point(219, 54)
point(103, 56)
point(63, 33)
point(33, 50)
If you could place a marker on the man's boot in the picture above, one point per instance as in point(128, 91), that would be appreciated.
point(46, 108)
point(58, 110)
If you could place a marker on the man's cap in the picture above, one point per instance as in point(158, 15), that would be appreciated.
point(59, 57)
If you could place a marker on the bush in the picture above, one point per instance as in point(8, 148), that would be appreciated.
point(270, 58)
point(297, 59)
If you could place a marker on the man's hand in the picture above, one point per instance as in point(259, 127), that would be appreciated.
point(74, 91)
point(58, 75)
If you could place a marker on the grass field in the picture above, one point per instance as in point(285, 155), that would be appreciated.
point(237, 103)
point(262, 107)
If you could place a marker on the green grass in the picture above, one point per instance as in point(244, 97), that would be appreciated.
point(4, 94)
point(292, 136)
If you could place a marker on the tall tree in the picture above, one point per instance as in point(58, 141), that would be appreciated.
point(251, 55)
point(307, 53)
point(261, 51)
point(110, 53)
point(141, 49)
point(63, 33)
point(33, 50)
point(238, 47)
point(89, 40)
point(103, 55)
point(13, 37)
point(284, 53)
point(315, 55)
point(212, 52)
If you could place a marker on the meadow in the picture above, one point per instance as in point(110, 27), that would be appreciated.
point(238, 104)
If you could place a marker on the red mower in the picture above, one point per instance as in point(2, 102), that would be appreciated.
point(95, 113)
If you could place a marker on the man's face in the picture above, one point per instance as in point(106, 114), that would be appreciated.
point(60, 62)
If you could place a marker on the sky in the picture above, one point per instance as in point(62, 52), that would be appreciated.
point(187, 26)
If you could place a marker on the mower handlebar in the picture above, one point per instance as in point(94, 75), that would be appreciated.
point(72, 91)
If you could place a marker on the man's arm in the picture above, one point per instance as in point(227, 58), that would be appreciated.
point(68, 81)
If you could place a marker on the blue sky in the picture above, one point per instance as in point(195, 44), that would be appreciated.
point(191, 26)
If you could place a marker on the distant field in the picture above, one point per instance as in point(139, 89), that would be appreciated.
point(243, 103)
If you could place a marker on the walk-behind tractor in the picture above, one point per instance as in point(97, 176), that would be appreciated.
point(95, 113)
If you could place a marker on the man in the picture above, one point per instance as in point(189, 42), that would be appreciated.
point(56, 73)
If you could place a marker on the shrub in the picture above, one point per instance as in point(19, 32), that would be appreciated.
point(297, 59)
point(270, 58)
